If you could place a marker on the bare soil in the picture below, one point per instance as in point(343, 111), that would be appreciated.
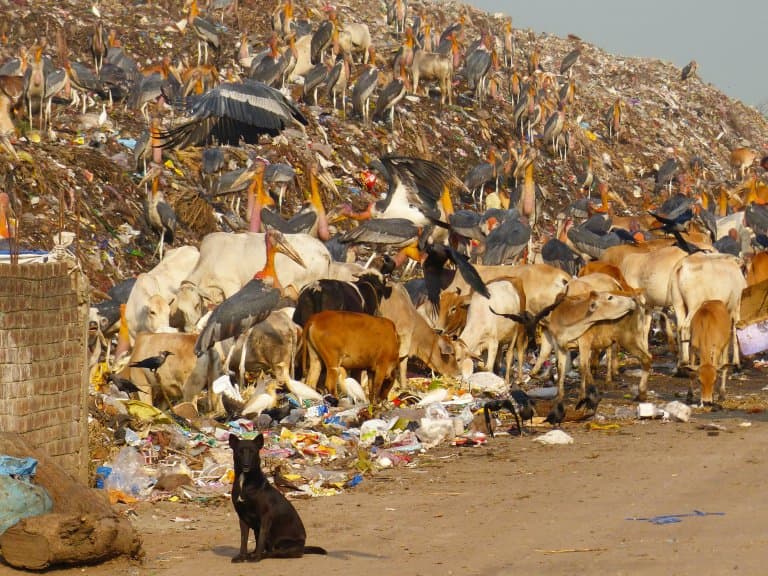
point(513, 506)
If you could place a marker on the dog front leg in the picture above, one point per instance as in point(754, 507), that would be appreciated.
point(243, 556)
point(261, 541)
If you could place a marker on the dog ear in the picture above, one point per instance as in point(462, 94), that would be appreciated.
point(259, 441)
point(233, 441)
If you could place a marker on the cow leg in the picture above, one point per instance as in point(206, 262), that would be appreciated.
point(508, 361)
point(315, 367)
point(642, 389)
point(522, 347)
point(331, 378)
point(585, 367)
point(684, 331)
point(403, 371)
point(721, 389)
point(376, 390)
point(613, 358)
point(493, 349)
point(669, 332)
point(544, 352)
point(563, 360)
point(736, 357)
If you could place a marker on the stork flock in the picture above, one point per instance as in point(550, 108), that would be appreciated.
point(239, 92)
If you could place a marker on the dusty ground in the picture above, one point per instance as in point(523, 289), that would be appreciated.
point(514, 506)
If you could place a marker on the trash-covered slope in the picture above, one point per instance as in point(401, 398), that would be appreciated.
point(84, 178)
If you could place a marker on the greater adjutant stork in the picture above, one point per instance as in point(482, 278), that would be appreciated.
point(391, 95)
point(364, 86)
point(234, 111)
point(205, 31)
point(689, 70)
point(311, 219)
point(323, 37)
point(252, 303)
point(159, 214)
point(418, 191)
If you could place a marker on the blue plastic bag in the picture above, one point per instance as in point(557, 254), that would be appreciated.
point(20, 499)
point(22, 467)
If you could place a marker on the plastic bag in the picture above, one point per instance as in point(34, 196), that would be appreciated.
point(10, 466)
point(128, 474)
point(20, 499)
point(372, 428)
point(434, 431)
point(437, 411)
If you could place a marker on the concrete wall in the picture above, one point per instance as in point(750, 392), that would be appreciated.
point(43, 367)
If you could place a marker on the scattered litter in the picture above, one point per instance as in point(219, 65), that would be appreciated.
point(554, 437)
point(678, 410)
point(675, 518)
point(648, 410)
point(603, 427)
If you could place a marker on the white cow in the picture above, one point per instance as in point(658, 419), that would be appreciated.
point(164, 281)
point(227, 261)
point(698, 278)
point(486, 330)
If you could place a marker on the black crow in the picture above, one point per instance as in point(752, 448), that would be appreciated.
point(153, 363)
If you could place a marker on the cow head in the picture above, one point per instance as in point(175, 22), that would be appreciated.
point(453, 312)
point(190, 305)
point(707, 374)
point(608, 306)
point(158, 313)
point(443, 357)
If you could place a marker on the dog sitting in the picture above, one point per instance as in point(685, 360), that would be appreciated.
point(261, 507)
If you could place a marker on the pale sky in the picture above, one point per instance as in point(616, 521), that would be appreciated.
point(727, 39)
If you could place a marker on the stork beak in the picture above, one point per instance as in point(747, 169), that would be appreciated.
point(337, 218)
point(149, 176)
point(282, 246)
point(244, 178)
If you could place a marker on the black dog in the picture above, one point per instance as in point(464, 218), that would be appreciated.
point(260, 506)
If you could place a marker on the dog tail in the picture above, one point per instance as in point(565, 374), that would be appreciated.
point(314, 550)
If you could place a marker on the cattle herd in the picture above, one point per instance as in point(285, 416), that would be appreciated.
point(344, 319)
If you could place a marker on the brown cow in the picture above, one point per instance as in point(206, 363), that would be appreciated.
point(597, 281)
point(758, 269)
point(611, 270)
point(182, 375)
point(572, 317)
point(711, 329)
point(630, 332)
point(352, 341)
point(269, 345)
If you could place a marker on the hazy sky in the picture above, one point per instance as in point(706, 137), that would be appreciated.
point(727, 39)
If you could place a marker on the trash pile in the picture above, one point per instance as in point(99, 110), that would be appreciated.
point(82, 177)
point(314, 449)
point(318, 448)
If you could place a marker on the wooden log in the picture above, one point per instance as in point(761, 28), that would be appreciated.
point(68, 495)
point(39, 542)
point(83, 528)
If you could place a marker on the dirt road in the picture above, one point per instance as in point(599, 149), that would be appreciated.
point(513, 507)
